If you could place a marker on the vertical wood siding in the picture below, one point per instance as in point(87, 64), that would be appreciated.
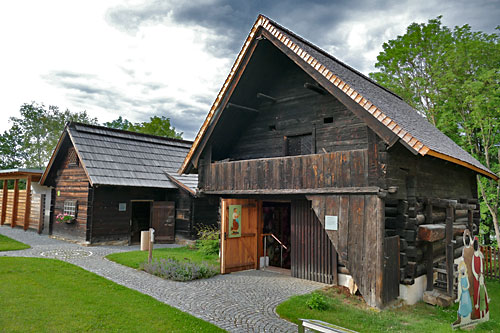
point(359, 238)
point(338, 169)
point(313, 256)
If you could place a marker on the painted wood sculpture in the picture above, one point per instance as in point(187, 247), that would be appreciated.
point(472, 294)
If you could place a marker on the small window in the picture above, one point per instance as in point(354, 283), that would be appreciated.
point(328, 120)
point(70, 207)
point(299, 145)
point(72, 157)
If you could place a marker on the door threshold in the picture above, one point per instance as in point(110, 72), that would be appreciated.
point(278, 270)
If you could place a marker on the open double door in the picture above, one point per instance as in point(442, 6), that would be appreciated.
point(159, 215)
point(239, 248)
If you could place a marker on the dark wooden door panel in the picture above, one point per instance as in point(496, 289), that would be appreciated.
point(391, 269)
point(163, 221)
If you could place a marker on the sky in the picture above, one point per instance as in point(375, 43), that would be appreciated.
point(142, 58)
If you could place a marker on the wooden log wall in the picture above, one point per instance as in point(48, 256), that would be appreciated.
point(71, 183)
point(337, 169)
point(404, 217)
point(35, 220)
point(359, 239)
point(313, 256)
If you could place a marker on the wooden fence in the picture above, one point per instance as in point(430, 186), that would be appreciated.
point(36, 210)
point(491, 262)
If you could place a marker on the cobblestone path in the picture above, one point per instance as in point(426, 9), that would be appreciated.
point(237, 302)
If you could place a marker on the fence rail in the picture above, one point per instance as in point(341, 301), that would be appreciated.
point(491, 262)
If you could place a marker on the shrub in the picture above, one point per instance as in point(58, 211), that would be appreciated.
point(176, 270)
point(208, 239)
point(317, 302)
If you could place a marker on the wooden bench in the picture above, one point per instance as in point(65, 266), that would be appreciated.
point(321, 326)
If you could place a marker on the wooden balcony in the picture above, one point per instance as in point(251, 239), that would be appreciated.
point(336, 172)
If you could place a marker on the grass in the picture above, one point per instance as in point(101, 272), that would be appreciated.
point(351, 312)
point(9, 244)
point(135, 258)
point(47, 295)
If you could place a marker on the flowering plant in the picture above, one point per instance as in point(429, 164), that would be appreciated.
point(67, 218)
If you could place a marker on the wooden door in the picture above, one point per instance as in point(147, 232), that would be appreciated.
point(240, 253)
point(163, 221)
point(390, 288)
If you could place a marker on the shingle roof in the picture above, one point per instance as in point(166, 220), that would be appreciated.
point(385, 106)
point(116, 157)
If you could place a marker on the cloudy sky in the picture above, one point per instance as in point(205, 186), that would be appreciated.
point(169, 58)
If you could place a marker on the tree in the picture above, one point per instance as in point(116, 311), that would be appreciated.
point(453, 78)
point(155, 126)
point(33, 136)
point(119, 123)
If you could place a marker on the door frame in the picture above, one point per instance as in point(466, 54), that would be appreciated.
point(130, 217)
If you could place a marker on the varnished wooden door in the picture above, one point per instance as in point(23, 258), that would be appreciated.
point(163, 221)
point(240, 253)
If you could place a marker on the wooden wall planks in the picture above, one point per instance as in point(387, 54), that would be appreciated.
point(313, 256)
point(337, 169)
point(359, 238)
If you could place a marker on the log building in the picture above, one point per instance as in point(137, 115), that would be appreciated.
point(349, 179)
point(117, 183)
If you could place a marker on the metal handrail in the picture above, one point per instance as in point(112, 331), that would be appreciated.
point(281, 248)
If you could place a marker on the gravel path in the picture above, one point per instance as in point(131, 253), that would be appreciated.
point(237, 302)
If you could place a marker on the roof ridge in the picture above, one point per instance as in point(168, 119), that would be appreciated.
point(328, 55)
point(71, 123)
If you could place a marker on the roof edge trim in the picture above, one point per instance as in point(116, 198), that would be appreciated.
point(462, 163)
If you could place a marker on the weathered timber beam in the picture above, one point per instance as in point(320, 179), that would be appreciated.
point(444, 203)
point(320, 90)
point(267, 97)
point(5, 195)
point(435, 232)
point(27, 204)
point(324, 190)
point(241, 107)
point(15, 204)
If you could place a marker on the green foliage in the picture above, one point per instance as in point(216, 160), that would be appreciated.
point(119, 123)
point(33, 136)
point(135, 258)
point(62, 297)
point(208, 239)
point(9, 244)
point(317, 302)
point(155, 126)
point(453, 77)
point(177, 270)
point(351, 312)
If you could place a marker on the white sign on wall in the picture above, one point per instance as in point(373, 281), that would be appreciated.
point(331, 222)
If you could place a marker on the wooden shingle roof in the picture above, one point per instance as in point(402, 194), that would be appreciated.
point(123, 158)
point(379, 105)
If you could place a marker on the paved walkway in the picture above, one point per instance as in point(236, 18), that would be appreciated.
point(237, 302)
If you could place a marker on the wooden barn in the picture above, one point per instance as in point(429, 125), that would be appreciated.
point(27, 207)
point(117, 183)
point(336, 175)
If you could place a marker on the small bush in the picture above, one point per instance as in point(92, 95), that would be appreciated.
point(179, 271)
point(317, 302)
point(208, 239)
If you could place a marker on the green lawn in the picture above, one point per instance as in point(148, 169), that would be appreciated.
point(47, 295)
point(351, 312)
point(8, 244)
point(135, 258)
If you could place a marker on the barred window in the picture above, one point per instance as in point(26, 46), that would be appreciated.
point(72, 157)
point(70, 207)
